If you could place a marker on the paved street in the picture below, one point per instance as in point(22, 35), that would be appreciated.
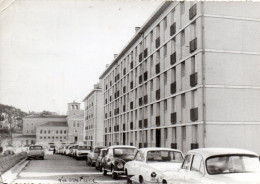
point(62, 169)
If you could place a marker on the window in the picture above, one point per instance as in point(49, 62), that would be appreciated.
point(182, 7)
point(197, 164)
point(186, 162)
point(182, 37)
point(49, 131)
point(40, 137)
point(78, 123)
point(45, 131)
point(74, 124)
point(60, 131)
point(165, 105)
point(57, 132)
point(183, 69)
point(40, 131)
point(183, 101)
point(138, 157)
point(165, 133)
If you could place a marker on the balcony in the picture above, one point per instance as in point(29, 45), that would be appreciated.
point(157, 94)
point(173, 58)
point(194, 114)
point(173, 118)
point(193, 45)
point(173, 29)
point(193, 11)
point(173, 87)
point(157, 42)
point(194, 79)
point(157, 121)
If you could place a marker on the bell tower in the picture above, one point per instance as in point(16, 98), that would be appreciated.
point(73, 108)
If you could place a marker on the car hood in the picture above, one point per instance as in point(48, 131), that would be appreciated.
point(235, 178)
point(164, 166)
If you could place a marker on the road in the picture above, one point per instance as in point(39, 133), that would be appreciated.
point(62, 169)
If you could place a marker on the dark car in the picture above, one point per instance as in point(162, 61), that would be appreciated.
point(36, 151)
point(116, 158)
point(92, 156)
point(100, 157)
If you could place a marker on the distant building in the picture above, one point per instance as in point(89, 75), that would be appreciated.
point(52, 132)
point(94, 117)
point(75, 123)
point(31, 122)
point(189, 78)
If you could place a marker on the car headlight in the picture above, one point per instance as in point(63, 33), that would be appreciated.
point(153, 174)
point(120, 165)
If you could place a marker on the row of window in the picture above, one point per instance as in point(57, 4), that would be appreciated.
point(143, 51)
point(49, 137)
point(57, 131)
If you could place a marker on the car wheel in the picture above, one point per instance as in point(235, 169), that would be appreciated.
point(114, 174)
point(141, 180)
point(164, 182)
point(104, 171)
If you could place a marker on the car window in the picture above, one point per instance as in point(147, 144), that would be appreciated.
point(35, 148)
point(138, 157)
point(186, 163)
point(164, 156)
point(110, 152)
point(197, 164)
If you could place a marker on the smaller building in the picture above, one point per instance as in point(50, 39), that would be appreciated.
point(19, 141)
point(52, 132)
point(94, 117)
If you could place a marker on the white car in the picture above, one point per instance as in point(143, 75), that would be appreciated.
point(82, 152)
point(216, 166)
point(149, 163)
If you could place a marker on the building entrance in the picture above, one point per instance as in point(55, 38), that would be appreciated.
point(158, 137)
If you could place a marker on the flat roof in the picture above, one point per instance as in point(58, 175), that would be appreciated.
point(149, 22)
point(45, 116)
point(55, 124)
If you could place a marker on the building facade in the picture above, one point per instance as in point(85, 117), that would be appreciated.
point(52, 132)
point(189, 78)
point(94, 117)
point(75, 121)
point(31, 122)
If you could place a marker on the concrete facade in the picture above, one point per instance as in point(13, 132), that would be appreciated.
point(189, 78)
point(52, 132)
point(32, 121)
point(94, 117)
point(76, 128)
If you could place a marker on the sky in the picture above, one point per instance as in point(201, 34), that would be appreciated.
point(52, 52)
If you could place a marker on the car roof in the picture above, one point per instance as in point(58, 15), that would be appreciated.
point(207, 152)
point(158, 149)
point(122, 146)
point(35, 146)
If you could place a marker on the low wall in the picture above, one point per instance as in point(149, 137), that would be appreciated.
point(9, 161)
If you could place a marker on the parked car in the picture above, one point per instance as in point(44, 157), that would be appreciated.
point(100, 157)
point(92, 156)
point(36, 151)
point(216, 166)
point(69, 150)
point(82, 152)
point(116, 158)
point(150, 163)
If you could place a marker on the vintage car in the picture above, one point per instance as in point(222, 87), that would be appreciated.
point(116, 158)
point(36, 151)
point(100, 157)
point(150, 163)
point(82, 152)
point(92, 156)
point(216, 166)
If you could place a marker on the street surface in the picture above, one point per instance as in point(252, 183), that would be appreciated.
point(62, 169)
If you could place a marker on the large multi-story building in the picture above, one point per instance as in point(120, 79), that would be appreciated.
point(188, 78)
point(94, 117)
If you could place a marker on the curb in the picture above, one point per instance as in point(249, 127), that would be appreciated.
point(11, 174)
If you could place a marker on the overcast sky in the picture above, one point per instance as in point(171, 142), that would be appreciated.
point(53, 51)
